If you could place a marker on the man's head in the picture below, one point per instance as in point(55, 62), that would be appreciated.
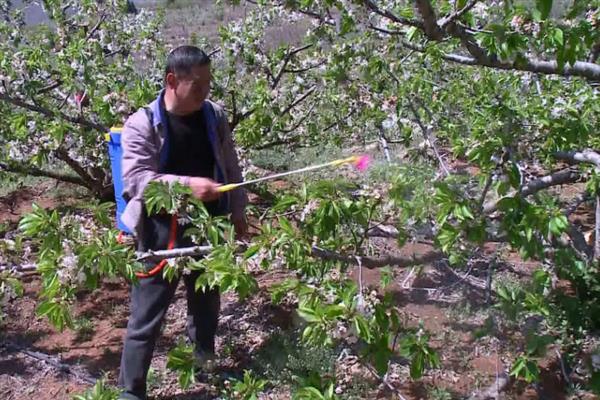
point(187, 79)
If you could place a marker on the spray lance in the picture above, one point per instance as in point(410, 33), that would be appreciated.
point(360, 162)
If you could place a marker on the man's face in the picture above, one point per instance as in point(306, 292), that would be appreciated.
point(191, 89)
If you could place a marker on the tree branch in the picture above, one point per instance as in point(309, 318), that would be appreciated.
point(52, 114)
point(279, 142)
point(429, 138)
point(576, 202)
point(298, 101)
point(367, 262)
point(595, 53)
point(20, 169)
point(393, 17)
point(286, 60)
point(237, 118)
point(561, 177)
point(95, 28)
point(300, 70)
point(63, 155)
point(76, 371)
point(430, 26)
point(339, 120)
point(585, 156)
point(372, 263)
point(581, 69)
point(157, 255)
point(50, 87)
point(301, 119)
point(457, 14)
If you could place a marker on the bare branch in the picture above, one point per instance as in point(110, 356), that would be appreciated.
point(429, 137)
point(579, 245)
point(279, 142)
point(237, 118)
point(457, 14)
point(488, 184)
point(300, 70)
point(63, 155)
point(50, 87)
point(340, 120)
point(384, 145)
point(77, 372)
point(468, 41)
point(576, 202)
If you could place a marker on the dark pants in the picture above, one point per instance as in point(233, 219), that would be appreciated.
point(149, 302)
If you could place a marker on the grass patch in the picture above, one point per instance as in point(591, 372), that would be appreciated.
point(285, 361)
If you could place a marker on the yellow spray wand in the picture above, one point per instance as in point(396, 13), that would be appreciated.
point(360, 162)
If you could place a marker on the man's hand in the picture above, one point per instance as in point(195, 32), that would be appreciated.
point(204, 189)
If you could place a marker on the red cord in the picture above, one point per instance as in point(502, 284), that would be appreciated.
point(158, 267)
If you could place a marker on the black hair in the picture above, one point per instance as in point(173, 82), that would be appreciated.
point(182, 59)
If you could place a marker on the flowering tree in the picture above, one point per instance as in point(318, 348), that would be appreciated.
point(65, 82)
point(510, 89)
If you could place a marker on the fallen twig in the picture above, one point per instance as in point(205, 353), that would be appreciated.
point(384, 381)
point(52, 361)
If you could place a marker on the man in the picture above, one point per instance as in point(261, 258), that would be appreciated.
point(180, 137)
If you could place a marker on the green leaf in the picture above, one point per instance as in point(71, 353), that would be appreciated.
point(286, 226)
point(308, 314)
point(595, 382)
point(362, 328)
point(526, 369)
point(252, 250)
point(411, 33)
point(387, 276)
point(182, 360)
point(417, 366)
point(559, 36)
point(544, 7)
point(536, 344)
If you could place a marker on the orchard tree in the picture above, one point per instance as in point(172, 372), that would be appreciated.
point(509, 88)
point(65, 81)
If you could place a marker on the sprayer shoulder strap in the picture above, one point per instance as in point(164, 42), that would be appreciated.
point(149, 114)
